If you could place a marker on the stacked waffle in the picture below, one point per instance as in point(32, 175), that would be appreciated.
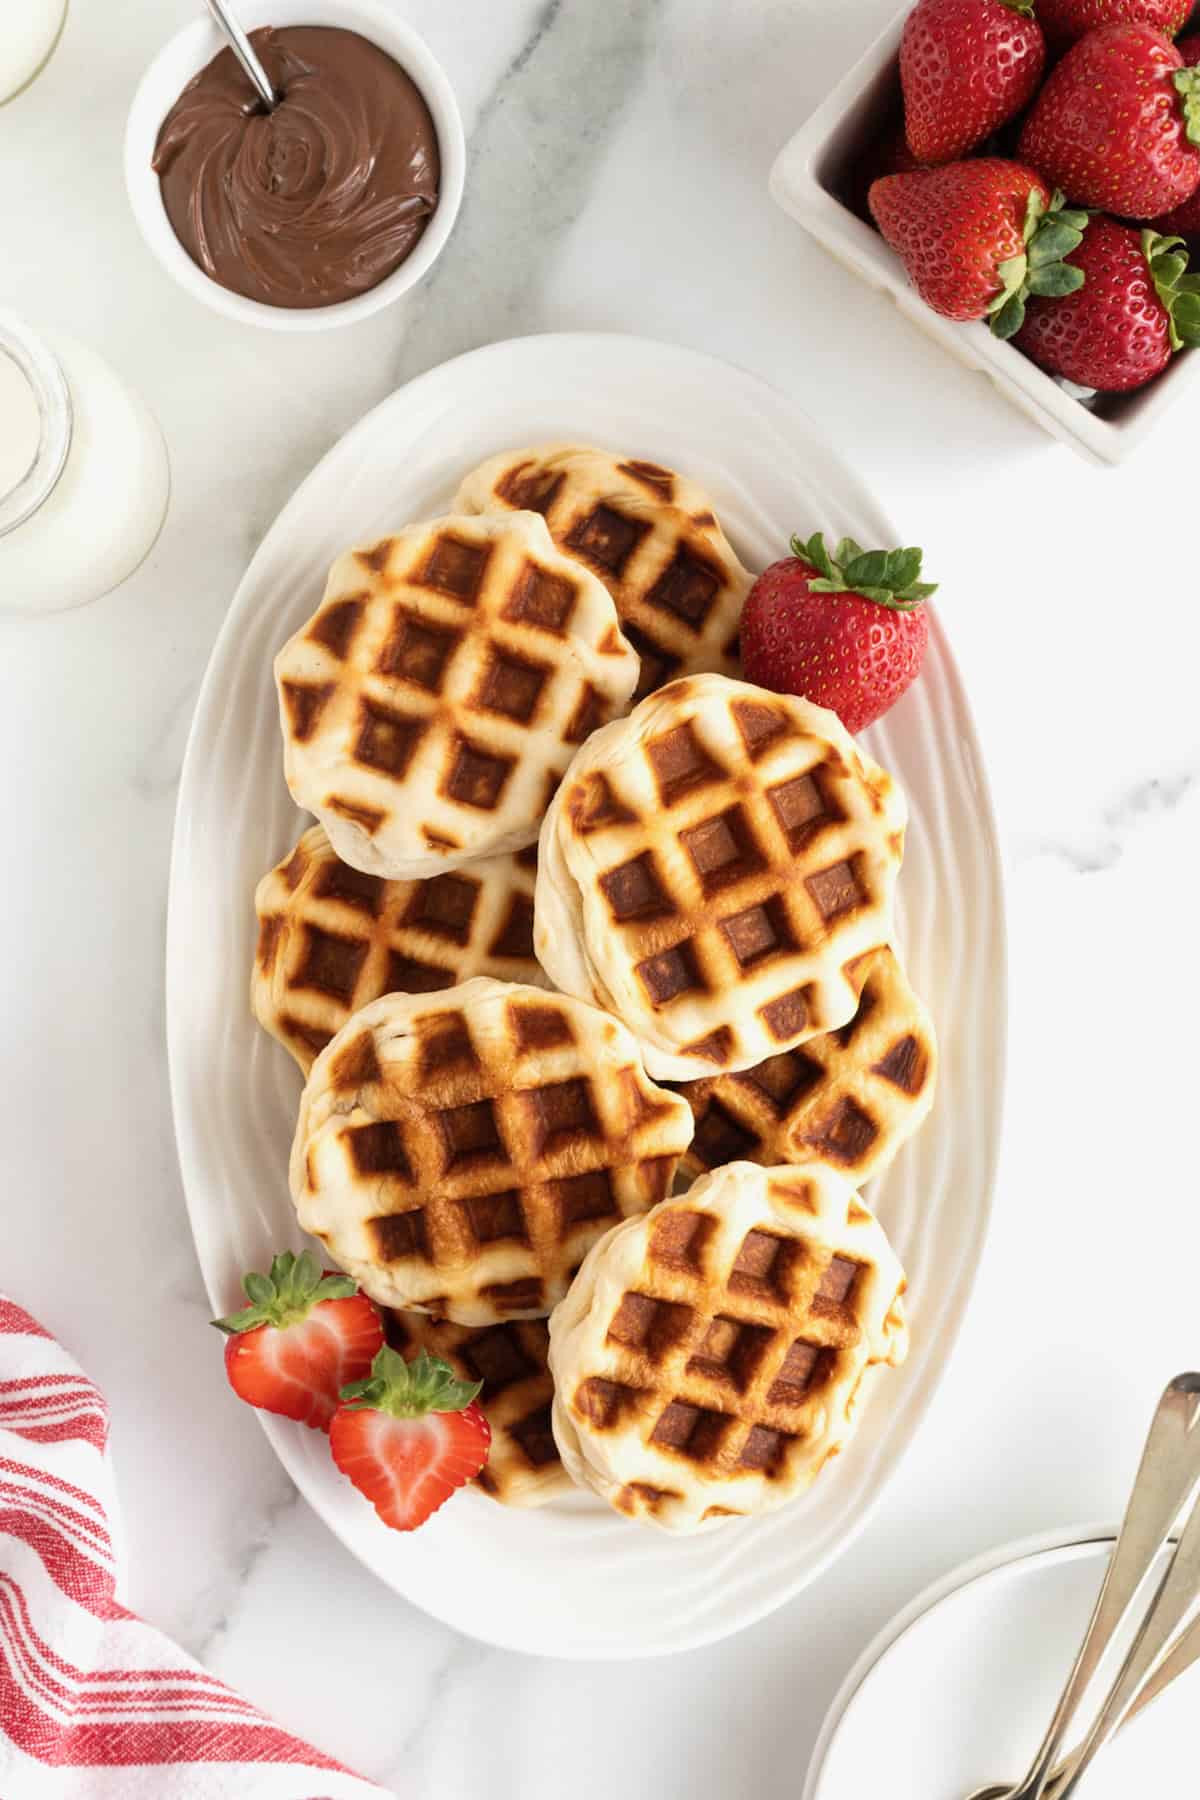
point(524, 908)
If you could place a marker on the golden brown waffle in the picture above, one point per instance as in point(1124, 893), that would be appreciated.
point(711, 1358)
point(331, 939)
point(712, 871)
point(851, 1097)
point(523, 1466)
point(434, 699)
point(648, 533)
point(460, 1153)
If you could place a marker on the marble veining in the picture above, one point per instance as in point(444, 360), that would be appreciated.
point(215, 1613)
point(584, 63)
point(1088, 852)
point(619, 155)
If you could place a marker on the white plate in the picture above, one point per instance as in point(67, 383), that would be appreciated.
point(575, 1579)
point(958, 1690)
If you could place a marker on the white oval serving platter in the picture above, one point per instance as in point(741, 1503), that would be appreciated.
point(575, 1579)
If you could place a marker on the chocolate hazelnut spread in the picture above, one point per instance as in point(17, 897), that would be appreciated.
point(317, 200)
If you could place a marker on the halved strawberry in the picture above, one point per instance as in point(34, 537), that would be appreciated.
point(409, 1435)
point(304, 1335)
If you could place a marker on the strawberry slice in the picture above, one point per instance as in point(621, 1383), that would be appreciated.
point(304, 1335)
point(409, 1435)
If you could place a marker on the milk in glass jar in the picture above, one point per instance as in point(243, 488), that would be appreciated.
point(83, 473)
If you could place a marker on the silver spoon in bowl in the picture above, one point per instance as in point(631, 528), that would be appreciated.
point(1166, 1486)
point(245, 52)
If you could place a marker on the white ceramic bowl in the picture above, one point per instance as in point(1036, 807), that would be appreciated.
point(958, 1689)
point(195, 46)
point(810, 180)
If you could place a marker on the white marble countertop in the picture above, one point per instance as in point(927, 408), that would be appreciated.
point(619, 155)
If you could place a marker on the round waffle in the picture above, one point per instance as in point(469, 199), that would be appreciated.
point(713, 869)
point(523, 1466)
point(432, 702)
point(851, 1097)
point(459, 1153)
point(331, 939)
point(712, 1357)
point(649, 534)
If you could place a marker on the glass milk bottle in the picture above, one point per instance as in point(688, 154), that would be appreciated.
point(29, 30)
point(83, 473)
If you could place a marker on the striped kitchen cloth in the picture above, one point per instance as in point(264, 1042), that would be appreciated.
point(94, 1703)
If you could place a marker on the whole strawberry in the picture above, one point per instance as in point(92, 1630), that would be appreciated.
point(846, 630)
point(302, 1337)
point(1118, 123)
point(408, 1435)
point(966, 68)
point(1137, 306)
point(1186, 216)
point(977, 238)
point(1063, 21)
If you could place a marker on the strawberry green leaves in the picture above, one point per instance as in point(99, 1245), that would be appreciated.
point(1178, 290)
point(1187, 86)
point(1050, 234)
point(409, 1390)
point(889, 577)
point(288, 1294)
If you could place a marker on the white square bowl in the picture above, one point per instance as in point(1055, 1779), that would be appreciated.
point(811, 178)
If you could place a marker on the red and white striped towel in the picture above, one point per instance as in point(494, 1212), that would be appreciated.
point(94, 1703)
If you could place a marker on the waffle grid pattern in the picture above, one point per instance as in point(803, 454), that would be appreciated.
point(852, 1097)
point(460, 1154)
point(709, 1360)
point(652, 538)
point(331, 939)
point(727, 859)
point(433, 701)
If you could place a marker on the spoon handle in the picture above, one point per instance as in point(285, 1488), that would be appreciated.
point(1177, 1662)
point(1167, 1480)
point(1164, 1630)
point(1186, 1651)
point(244, 50)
